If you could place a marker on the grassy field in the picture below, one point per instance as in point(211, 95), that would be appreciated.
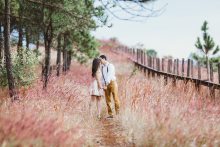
point(151, 114)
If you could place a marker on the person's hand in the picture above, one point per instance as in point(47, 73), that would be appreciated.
point(105, 87)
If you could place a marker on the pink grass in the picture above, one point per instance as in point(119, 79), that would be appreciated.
point(49, 117)
point(151, 114)
point(166, 115)
point(157, 115)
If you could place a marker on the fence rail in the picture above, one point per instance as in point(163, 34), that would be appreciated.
point(173, 69)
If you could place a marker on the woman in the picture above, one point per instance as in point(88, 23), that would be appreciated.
point(96, 89)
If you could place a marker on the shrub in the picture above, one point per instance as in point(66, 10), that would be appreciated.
point(23, 69)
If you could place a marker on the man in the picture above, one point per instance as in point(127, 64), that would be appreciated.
point(111, 86)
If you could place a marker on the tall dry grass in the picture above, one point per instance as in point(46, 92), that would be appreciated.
point(151, 114)
point(55, 117)
point(158, 115)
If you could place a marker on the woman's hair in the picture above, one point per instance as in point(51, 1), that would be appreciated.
point(95, 65)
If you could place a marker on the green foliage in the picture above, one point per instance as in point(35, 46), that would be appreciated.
point(151, 52)
point(207, 48)
point(88, 46)
point(199, 58)
point(37, 52)
point(82, 17)
point(74, 17)
point(81, 58)
point(23, 69)
point(202, 59)
point(208, 44)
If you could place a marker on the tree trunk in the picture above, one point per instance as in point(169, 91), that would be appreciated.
point(58, 54)
point(27, 38)
point(20, 42)
point(1, 45)
point(64, 54)
point(20, 39)
point(208, 68)
point(69, 59)
point(38, 42)
point(37, 45)
point(20, 30)
point(8, 63)
point(47, 40)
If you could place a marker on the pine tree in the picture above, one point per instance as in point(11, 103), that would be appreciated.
point(207, 47)
point(8, 62)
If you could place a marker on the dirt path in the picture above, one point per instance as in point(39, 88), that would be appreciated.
point(111, 134)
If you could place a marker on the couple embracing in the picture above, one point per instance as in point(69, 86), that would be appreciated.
point(104, 84)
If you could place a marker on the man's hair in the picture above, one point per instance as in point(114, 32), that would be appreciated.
point(103, 57)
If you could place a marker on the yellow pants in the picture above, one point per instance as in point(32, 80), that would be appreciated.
point(112, 88)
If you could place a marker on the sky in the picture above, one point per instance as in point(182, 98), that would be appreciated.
point(174, 32)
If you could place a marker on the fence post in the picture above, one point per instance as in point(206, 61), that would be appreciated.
point(163, 68)
point(192, 74)
point(211, 72)
point(153, 66)
point(148, 61)
point(158, 64)
point(153, 62)
point(199, 71)
point(199, 77)
point(141, 56)
point(177, 64)
point(135, 50)
point(149, 65)
point(219, 73)
point(188, 68)
point(212, 89)
point(163, 64)
point(132, 53)
point(144, 62)
point(174, 67)
point(174, 72)
point(137, 54)
point(170, 65)
point(183, 66)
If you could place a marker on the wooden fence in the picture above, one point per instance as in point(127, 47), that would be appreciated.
point(174, 69)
